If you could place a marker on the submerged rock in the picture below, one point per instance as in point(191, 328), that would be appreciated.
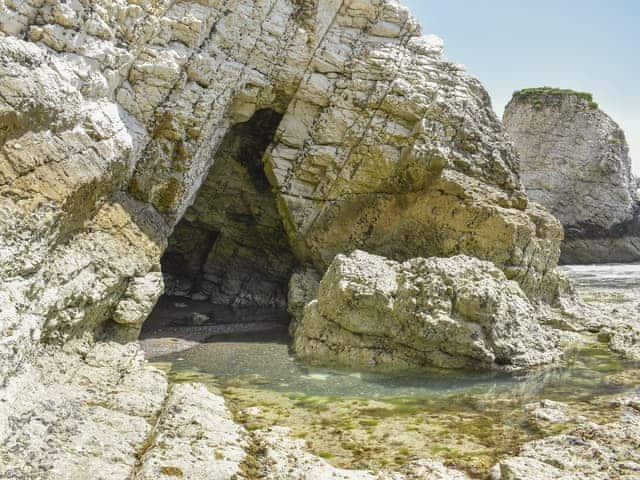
point(456, 312)
point(574, 160)
point(287, 459)
point(589, 452)
point(623, 338)
point(548, 411)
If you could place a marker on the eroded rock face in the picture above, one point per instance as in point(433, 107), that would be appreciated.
point(303, 288)
point(118, 123)
point(453, 313)
point(574, 160)
point(71, 416)
point(195, 437)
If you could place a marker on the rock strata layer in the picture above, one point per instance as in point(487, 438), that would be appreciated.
point(574, 160)
point(458, 312)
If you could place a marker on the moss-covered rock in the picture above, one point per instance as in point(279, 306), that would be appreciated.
point(542, 96)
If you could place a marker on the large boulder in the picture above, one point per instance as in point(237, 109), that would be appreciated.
point(457, 312)
point(574, 160)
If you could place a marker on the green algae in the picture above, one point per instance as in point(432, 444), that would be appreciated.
point(470, 431)
point(172, 471)
point(167, 195)
point(357, 420)
point(540, 96)
point(607, 298)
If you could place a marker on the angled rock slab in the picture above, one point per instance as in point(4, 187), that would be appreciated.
point(72, 418)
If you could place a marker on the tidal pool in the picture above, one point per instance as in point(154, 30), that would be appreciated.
point(373, 420)
point(262, 360)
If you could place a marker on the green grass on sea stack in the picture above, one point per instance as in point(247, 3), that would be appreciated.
point(537, 95)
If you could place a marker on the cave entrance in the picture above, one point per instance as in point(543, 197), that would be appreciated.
point(228, 259)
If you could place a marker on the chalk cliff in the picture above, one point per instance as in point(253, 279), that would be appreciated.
point(211, 149)
point(263, 135)
point(574, 160)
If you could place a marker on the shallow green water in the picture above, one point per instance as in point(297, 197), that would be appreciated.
point(263, 360)
point(468, 420)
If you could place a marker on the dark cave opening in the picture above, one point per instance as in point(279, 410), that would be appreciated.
point(228, 259)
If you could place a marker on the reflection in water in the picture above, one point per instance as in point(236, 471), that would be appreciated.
point(263, 360)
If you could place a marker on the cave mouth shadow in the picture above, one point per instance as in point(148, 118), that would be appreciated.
point(203, 322)
point(228, 261)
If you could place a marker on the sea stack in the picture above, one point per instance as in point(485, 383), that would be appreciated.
point(574, 160)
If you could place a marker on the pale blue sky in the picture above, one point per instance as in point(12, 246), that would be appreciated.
point(590, 45)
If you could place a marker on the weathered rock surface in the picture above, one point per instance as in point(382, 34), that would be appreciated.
point(303, 288)
point(79, 415)
point(231, 247)
point(453, 313)
point(138, 299)
point(100, 412)
point(590, 452)
point(624, 337)
point(195, 438)
point(574, 160)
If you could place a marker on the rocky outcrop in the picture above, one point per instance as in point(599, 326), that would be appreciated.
point(574, 160)
point(79, 414)
point(457, 312)
point(117, 117)
point(100, 412)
